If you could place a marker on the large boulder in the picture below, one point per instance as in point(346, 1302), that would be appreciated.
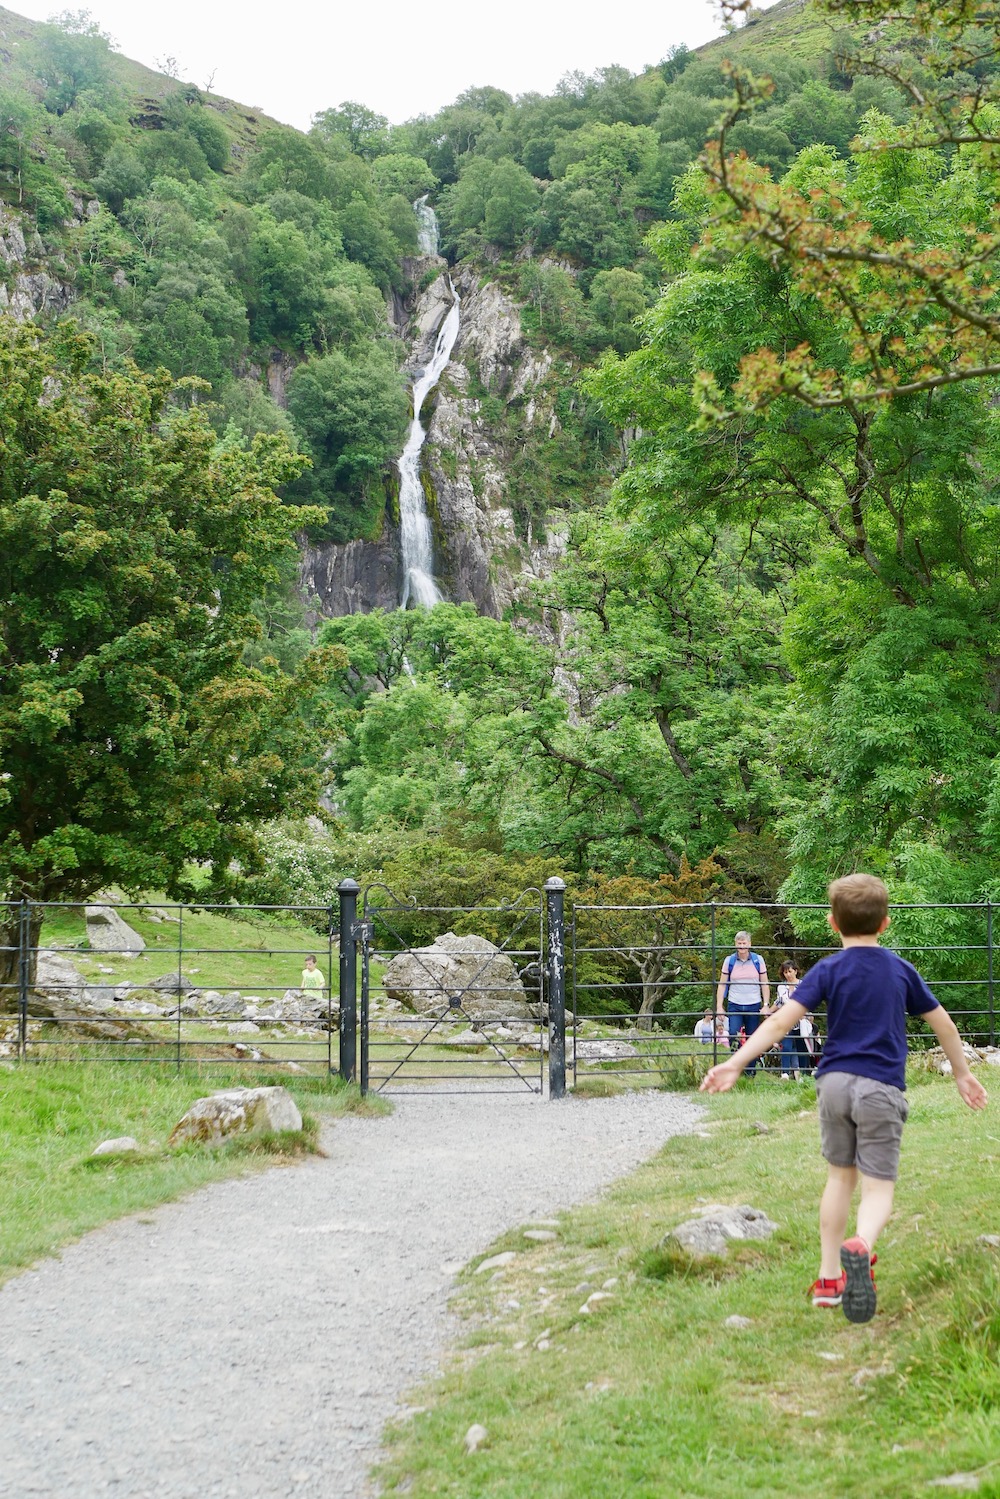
point(108, 932)
point(239, 1111)
point(470, 970)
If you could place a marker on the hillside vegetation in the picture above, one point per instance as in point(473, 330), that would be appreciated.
point(770, 652)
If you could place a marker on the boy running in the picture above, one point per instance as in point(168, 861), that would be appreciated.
point(861, 1079)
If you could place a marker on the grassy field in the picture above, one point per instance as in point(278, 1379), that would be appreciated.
point(252, 952)
point(652, 1394)
point(52, 1116)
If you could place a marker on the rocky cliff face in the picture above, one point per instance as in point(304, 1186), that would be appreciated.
point(479, 556)
point(25, 289)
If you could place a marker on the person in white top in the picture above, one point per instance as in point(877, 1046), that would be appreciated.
point(744, 990)
point(705, 1029)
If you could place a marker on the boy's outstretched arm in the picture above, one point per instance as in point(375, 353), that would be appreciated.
point(945, 1029)
point(720, 1079)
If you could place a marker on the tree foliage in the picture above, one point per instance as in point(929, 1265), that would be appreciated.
point(133, 738)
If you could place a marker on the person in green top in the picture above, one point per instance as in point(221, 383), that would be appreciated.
point(313, 981)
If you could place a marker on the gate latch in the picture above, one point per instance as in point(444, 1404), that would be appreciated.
point(363, 931)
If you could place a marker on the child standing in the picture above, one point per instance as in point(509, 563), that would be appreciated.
point(861, 1079)
point(791, 1042)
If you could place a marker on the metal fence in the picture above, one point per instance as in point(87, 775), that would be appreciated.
point(142, 982)
point(517, 995)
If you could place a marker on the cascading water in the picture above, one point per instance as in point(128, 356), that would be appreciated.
point(427, 232)
point(416, 544)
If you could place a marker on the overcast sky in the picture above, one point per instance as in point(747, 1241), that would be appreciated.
point(296, 57)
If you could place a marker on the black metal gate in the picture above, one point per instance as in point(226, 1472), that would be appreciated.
point(454, 996)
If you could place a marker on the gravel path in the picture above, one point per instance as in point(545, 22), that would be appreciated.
point(253, 1339)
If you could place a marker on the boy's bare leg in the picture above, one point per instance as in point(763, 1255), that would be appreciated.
point(875, 1208)
point(834, 1210)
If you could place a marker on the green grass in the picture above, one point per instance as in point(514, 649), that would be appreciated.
point(53, 1115)
point(256, 954)
point(651, 1394)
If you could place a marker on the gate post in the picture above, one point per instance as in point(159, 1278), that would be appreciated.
point(989, 951)
point(555, 896)
point(348, 893)
point(23, 972)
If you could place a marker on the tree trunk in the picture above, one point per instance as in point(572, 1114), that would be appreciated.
point(12, 934)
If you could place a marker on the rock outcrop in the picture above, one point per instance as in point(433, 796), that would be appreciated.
point(27, 290)
point(468, 974)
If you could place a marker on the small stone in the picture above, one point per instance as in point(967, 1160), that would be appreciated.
point(497, 1261)
point(831, 1358)
point(475, 1437)
point(123, 1145)
point(864, 1375)
point(737, 1321)
point(760, 1128)
point(540, 1235)
point(967, 1482)
point(609, 1285)
point(543, 1345)
point(992, 1241)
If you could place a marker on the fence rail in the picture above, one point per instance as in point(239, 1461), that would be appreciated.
point(609, 988)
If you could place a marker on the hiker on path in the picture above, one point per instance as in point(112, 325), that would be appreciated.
point(744, 991)
point(861, 1081)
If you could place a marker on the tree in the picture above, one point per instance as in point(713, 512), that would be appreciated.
point(877, 523)
point(133, 738)
point(643, 934)
point(920, 306)
point(409, 175)
point(617, 298)
point(513, 198)
point(351, 410)
point(72, 55)
point(365, 132)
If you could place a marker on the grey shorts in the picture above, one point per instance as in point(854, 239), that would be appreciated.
point(861, 1123)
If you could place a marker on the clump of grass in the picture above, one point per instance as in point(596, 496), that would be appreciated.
point(669, 1260)
point(598, 1085)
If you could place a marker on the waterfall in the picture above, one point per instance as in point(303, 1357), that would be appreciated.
point(427, 234)
point(415, 537)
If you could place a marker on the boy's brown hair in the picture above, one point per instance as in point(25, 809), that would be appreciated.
point(859, 903)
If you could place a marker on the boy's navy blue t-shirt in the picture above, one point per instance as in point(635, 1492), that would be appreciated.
point(868, 993)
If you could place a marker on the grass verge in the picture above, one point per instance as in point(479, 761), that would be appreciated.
point(52, 1116)
point(650, 1392)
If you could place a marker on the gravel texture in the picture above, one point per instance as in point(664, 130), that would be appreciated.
point(253, 1339)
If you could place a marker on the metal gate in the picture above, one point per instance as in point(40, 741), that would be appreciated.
point(453, 996)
